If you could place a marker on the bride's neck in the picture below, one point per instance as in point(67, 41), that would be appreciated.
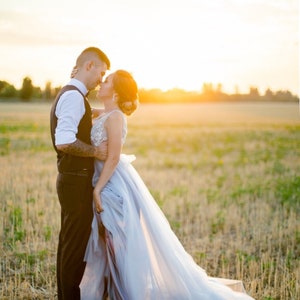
point(109, 106)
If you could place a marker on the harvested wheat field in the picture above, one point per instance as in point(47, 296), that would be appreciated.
point(227, 176)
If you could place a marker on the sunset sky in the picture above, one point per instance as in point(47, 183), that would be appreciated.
point(164, 44)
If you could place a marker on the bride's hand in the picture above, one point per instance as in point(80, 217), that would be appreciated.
point(97, 200)
point(74, 71)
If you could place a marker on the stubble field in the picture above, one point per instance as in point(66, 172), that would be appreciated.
point(227, 176)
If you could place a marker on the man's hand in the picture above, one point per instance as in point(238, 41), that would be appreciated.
point(96, 112)
point(101, 151)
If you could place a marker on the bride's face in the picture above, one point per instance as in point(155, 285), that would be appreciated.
point(106, 89)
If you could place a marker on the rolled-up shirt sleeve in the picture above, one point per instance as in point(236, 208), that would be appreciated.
point(69, 111)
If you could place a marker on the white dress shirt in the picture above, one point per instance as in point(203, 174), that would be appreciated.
point(69, 111)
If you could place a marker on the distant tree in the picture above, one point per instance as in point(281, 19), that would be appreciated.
point(285, 96)
point(207, 88)
point(211, 94)
point(48, 91)
point(253, 93)
point(56, 90)
point(269, 93)
point(7, 90)
point(219, 88)
point(3, 84)
point(37, 92)
point(26, 91)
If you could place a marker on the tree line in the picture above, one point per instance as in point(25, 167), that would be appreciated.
point(209, 93)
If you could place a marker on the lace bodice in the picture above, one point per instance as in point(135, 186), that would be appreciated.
point(99, 133)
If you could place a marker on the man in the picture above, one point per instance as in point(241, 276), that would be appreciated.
point(71, 122)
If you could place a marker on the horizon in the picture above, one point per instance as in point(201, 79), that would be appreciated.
point(174, 89)
point(165, 45)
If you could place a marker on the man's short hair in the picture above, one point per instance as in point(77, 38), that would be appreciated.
point(90, 53)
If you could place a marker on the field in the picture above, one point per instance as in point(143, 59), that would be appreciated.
point(227, 176)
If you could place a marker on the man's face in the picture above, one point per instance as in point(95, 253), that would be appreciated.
point(97, 70)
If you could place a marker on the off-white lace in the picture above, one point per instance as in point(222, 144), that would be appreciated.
point(99, 133)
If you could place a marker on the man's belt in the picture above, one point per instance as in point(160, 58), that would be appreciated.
point(84, 172)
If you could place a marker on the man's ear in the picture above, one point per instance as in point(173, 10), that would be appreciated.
point(89, 64)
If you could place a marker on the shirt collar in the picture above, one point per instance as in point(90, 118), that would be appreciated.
point(80, 85)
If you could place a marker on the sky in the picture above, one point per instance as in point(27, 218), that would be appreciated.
point(165, 44)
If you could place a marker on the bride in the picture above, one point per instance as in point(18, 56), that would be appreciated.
point(132, 251)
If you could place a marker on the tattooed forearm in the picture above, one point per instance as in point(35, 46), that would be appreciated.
point(78, 148)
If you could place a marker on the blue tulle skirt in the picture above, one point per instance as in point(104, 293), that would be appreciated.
point(137, 256)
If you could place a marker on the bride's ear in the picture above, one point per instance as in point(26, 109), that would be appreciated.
point(115, 97)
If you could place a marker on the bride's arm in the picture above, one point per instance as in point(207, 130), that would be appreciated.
point(114, 125)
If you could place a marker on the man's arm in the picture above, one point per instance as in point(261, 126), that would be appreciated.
point(79, 148)
point(69, 112)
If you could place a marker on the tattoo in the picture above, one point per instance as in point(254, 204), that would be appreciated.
point(79, 148)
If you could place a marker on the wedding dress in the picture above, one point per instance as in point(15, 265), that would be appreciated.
point(140, 257)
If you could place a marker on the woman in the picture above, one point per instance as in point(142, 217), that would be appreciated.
point(136, 255)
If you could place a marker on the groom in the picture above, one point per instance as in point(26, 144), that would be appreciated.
point(71, 122)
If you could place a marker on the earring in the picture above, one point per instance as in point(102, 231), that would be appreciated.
point(115, 97)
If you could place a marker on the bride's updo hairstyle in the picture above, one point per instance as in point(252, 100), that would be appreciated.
point(127, 91)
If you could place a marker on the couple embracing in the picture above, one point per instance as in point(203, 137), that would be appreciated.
point(114, 240)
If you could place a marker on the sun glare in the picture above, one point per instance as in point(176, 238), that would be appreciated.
point(174, 44)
